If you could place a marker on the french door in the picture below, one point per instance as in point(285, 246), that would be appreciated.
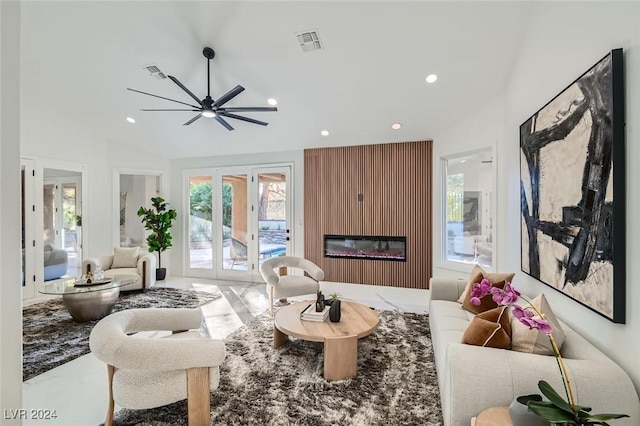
point(239, 217)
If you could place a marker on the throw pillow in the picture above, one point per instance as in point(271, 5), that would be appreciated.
point(486, 302)
point(491, 329)
point(125, 257)
point(493, 277)
point(526, 340)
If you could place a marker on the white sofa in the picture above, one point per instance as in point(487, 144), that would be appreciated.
point(145, 270)
point(474, 378)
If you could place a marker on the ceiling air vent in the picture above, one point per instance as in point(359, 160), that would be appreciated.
point(309, 40)
point(154, 71)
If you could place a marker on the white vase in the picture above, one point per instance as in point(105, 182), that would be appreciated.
point(520, 414)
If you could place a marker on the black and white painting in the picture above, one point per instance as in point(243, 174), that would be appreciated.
point(572, 190)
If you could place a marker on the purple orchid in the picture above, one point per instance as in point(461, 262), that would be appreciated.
point(505, 297)
point(480, 290)
point(528, 318)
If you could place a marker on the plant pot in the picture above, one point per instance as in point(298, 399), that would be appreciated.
point(520, 414)
point(334, 311)
point(161, 274)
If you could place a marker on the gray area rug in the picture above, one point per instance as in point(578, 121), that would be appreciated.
point(50, 337)
point(259, 385)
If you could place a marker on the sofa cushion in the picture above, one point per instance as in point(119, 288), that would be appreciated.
point(491, 329)
point(493, 277)
point(125, 257)
point(524, 339)
point(486, 303)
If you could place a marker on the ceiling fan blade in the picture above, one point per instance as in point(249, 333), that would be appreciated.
point(223, 122)
point(170, 110)
point(248, 109)
point(228, 96)
point(183, 87)
point(239, 117)
point(162, 97)
point(192, 120)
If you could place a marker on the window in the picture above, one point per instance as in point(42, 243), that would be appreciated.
point(468, 216)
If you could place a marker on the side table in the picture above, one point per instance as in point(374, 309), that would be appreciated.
point(494, 416)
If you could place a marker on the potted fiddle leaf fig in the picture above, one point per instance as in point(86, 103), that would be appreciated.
point(159, 220)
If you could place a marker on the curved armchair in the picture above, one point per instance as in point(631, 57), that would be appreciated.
point(151, 372)
point(281, 287)
point(126, 261)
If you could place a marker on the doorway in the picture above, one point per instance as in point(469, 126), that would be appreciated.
point(239, 217)
point(51, 222)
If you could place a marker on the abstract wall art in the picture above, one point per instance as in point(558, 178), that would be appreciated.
point(572, 190)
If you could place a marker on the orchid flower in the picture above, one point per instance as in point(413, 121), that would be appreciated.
point(531, 320)
point(480, 290)
point(505, 297)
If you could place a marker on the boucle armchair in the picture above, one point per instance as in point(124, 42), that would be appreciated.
point(281, 287)
point(151, 372)
point(126, 261)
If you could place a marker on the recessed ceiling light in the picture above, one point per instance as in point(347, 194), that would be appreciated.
point(208, 114)
point(463, 161)
point(431, 78)
point(131, 120)
point(396, 126)
point(272, 101)
point(324, 133)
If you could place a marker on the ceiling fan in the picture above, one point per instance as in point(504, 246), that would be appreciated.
point(208, 107)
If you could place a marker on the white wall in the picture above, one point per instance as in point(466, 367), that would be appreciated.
point(53, 141)
point(178, 190)
point(482, 129)
point(10, 292)
point(562, 41)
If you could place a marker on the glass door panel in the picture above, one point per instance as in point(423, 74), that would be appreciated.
point(273, 229)
point(71, 219)
point(200, 222)
point(235, 235)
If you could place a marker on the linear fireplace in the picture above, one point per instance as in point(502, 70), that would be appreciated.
point(366, 247)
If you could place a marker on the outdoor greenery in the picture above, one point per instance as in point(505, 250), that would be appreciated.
point(201, 201)
point(455, 197)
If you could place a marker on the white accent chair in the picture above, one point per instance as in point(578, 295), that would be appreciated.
point(281, 287)
point(152, 372)
point(141, 263)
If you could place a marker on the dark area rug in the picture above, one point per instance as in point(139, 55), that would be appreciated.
point(259, 385)
point(51, 337)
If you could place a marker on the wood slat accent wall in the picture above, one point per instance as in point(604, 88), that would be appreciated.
point(395, 182)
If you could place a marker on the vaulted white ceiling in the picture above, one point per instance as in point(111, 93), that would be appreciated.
point(78, 58)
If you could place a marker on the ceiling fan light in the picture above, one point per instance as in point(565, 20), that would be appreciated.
point(272, 101)
point(208, 113)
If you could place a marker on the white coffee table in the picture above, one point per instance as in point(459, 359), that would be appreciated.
point(88, 302)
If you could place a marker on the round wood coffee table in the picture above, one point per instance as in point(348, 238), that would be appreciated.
point(340, 338)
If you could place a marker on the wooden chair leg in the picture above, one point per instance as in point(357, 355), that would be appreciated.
point(198, 396)
point(109, 419)
point(144, 276)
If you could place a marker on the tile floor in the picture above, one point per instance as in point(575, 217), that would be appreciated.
point(77, 390)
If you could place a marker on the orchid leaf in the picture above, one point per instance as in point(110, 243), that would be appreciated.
point(550, 412)
point(554, 397)
point(602, 417)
